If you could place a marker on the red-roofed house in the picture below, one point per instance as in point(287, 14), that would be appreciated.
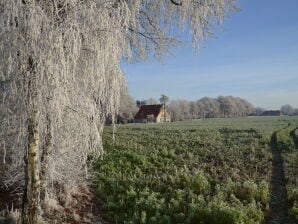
point(152, 113)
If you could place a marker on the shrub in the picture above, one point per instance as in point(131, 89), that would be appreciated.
point(263, 193)
point(200, 184)
point(247, 191)
point(293, 213)
point(284, 141)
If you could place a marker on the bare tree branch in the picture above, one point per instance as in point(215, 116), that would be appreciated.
point(176, 3)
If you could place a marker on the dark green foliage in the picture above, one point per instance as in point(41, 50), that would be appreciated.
point(286, 140)
point(294, 136)
point(291, 171)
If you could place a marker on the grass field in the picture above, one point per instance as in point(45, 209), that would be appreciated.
point(215, 171)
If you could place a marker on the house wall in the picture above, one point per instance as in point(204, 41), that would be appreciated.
point(150, 118)
point(161, 117)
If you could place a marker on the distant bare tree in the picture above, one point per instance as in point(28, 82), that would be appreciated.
point(287, 109)
point(140, 103)
point(209, 106)
point(127, 108)
point(151, 101)
point(227, 106)
point(180, 109)
point(224, 106)
point(193, 110)
point(259, 111)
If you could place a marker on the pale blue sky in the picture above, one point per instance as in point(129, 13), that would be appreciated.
point(254, 57)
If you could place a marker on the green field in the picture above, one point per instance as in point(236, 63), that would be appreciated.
point(215, 171)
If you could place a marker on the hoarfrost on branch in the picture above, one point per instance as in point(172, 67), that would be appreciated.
point(61, 58)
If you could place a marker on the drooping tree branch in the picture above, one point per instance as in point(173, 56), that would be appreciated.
point(76, 48)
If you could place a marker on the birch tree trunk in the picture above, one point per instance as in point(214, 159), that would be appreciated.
point(44, 161)
point(31, 157)
point(32, 183)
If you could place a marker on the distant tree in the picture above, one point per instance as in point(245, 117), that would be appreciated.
point(259, 111)
point(140, 103)
point(151, 101)
point(180, 109)
point(224, 105)
point(238, 106)
point(193, 109)
point(209, 107)
point(287, 109)
point(185, 108)
point(227, 106)
point(175, 110)
point(127, 108)
point(163, 99)
point(247, 107)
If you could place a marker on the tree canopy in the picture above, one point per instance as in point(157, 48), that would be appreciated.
point(60, 77)
point(163, 99)
point(222, 106)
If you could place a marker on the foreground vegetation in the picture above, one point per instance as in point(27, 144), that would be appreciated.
point(287, 141)
point(212, 171)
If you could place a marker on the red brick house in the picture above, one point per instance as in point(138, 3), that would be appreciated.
point(152, 113)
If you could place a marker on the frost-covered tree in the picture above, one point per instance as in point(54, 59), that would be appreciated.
point(287, 109)
point(127, 108)
point(151, 101)
point(259, 111)
point(178, 109)
point(60, 78)
point(210, 107)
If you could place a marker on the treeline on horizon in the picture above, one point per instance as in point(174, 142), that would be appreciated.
point(206, 107)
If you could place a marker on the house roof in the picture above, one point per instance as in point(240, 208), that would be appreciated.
point(146, 110)
point(271, 113)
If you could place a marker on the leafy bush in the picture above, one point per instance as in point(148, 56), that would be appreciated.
point(294, 135)
point(293, 213)
point(200, 184)
point(247, 191)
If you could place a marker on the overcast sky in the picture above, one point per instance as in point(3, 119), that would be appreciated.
point(254, 57)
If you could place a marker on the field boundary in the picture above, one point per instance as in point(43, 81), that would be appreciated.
point(278, 204)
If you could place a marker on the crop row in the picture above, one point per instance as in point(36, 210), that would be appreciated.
point(287, 142)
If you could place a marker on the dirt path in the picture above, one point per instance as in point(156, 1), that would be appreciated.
point(278, 201)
